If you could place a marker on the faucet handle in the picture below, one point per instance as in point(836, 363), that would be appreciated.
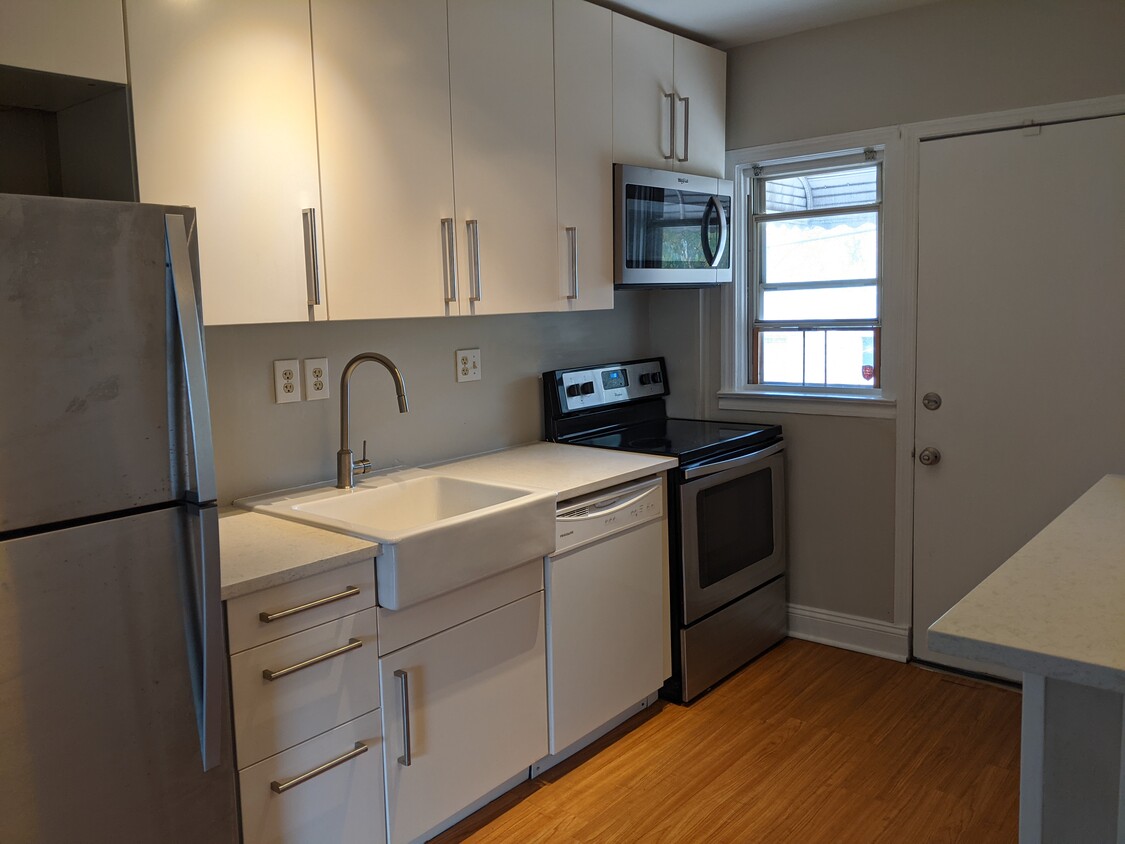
point(363, 465)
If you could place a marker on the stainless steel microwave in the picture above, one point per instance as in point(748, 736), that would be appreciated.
point(670, 229)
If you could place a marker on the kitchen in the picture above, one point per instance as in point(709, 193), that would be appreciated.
point(845, 548)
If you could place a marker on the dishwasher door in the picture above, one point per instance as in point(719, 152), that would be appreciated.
point(606, 610)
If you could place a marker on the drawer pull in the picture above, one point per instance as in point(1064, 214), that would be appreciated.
point(352, 645)
point(404, 679)
point(282, 787)
point(267, 617)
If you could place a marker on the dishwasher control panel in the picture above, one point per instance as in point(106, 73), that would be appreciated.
point(594, 517)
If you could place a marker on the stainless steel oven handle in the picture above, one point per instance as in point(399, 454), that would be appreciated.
point(734, 463)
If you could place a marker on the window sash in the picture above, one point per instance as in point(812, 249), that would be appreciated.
point(755, 350)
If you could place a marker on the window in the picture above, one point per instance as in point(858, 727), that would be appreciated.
point(814, 265)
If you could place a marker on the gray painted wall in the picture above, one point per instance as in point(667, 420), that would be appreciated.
point(262, 446)
point(951, 58)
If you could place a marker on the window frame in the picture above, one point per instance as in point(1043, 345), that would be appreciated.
point(740, 300)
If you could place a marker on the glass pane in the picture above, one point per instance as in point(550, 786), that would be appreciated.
point(829, 357)
point(663, 228)
point(833, 189)
point(820, 303)
point(842, 247)
point(851, 358)
point(782, 357)
point(735, 526)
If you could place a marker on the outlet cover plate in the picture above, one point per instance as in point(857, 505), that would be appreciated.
point(286, 381)
point(314, 372)
point(468, 364)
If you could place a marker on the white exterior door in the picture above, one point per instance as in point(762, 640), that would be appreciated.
point(1021, 302)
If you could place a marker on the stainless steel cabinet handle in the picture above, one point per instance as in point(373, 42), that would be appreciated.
point(671, 126)
point(404, 689)
point(449, 259)
point(312, 262)
point(282, 787)
point(572, 242)
point(267, 617)
point(687, 124)
point(473, 227)
point(353, 644)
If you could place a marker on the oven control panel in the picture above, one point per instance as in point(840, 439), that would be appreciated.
point(585, 389)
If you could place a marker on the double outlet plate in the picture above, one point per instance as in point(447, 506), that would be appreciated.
point(289, 376)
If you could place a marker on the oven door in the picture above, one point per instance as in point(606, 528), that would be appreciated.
point(732, 527)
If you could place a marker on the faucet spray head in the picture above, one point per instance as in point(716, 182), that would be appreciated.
point(403, 406)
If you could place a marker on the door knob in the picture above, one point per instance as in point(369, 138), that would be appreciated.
point(929, 457)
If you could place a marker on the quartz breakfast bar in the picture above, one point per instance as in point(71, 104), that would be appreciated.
point(1056, 611)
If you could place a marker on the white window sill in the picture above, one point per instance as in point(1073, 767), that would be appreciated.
point(820, 404)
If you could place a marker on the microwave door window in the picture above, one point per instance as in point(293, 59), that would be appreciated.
point(663, 228)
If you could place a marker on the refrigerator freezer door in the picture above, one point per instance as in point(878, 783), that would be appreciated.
point(87, 423)
point(98, 731)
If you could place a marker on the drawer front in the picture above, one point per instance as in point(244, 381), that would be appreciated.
point(342, 804)
point(321, 678)
point(291, 607)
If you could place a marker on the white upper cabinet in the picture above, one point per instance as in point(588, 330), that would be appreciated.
point(225, 121)
point(584, 153)
point(386, 155)
point(502, 87)
point(84, 39)
point(669, 100)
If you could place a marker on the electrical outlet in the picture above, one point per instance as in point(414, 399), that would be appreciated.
point(286, 381)
point(315, 373)
point(468, 364)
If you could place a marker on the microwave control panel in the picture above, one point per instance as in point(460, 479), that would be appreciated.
point(586, 389)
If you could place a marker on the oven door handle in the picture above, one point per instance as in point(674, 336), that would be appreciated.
point(733, 463)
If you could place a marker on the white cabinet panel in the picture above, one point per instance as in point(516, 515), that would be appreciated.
point(502, 88)
point(77, 39)
point(642, 83)
point(701, 78)
point(477, 706)
point(382, 104)
point(224, 116)
point(584, 153)
point(270, 715)
point(342, 805)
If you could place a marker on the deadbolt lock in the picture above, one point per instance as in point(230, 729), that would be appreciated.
point(931, 401)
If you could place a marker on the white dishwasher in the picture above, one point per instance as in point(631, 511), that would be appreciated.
point(606, 609)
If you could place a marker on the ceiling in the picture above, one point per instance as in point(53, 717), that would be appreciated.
point(731, 23)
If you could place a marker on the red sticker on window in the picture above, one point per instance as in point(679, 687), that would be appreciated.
point(868, 372)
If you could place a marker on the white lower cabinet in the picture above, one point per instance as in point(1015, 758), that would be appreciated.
point(327, 789)
point(463, 712)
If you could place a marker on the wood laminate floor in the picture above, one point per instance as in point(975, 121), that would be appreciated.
point(808, 744)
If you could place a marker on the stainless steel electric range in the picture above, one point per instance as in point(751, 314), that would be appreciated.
point(726, 506)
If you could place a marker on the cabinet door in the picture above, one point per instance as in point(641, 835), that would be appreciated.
point(342, 804)
point(642, 83)
point(224, 120)
point(502, 88)
point(584, 153)
point(386, 156)
point(477, 698)
point(84, 39)
point(701, 89)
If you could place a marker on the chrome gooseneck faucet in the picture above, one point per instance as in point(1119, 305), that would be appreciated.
point(345, 467)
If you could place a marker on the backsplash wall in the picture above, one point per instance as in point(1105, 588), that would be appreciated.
point(262, 446)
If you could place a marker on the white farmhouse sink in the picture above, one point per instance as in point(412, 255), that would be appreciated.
point(437, 533)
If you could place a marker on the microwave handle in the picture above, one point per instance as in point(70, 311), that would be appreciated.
point(716, 257)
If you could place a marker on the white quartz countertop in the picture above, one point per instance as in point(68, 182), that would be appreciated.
point(258, 551)
point(567, 470)
point(1057, 607)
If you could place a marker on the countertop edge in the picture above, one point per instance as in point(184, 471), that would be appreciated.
point(264, 581)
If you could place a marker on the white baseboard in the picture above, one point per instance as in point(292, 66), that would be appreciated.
point(852, 632)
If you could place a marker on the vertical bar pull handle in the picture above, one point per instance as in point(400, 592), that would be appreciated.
point(404, 690)
point(671, 98)
point(687, 125)
point(312, 260)
point(473, 227)
point(449, 259)
point(572, 243)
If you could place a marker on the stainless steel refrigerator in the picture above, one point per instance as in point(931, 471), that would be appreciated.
point(114, 699)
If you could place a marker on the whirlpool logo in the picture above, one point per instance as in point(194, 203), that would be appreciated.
point(682, 180)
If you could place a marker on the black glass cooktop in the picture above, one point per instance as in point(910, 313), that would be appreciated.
point(687, 439)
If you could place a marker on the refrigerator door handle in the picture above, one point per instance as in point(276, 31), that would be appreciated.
point(207, 645)
point(195, 367)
